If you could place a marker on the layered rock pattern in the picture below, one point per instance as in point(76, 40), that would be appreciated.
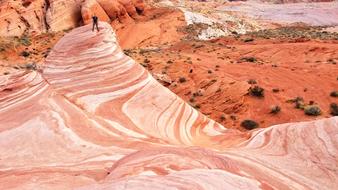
point(92, 118)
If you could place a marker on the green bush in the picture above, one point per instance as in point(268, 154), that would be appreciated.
point(248, 40)
point(182, 79)
point(24, 40)
point(334, 109)
point(256, 91)
point(275, 109)
point(25, 54)
point(312, 110)
point(334, 94)
point(249, 124)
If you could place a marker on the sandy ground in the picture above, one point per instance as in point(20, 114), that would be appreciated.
point(12, 50)
point(297, 69)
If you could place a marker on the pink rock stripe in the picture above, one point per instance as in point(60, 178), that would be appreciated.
point(95, 119)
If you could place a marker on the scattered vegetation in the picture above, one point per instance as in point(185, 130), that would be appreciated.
point(256, 91)
point(275, 109)
point(249, 124)
point(334, 109)
point(312, 110)
point(305, 32)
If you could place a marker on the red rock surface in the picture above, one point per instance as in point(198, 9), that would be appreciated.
point(90, 8)
point(95, 119)
point(17, 17)
point(37, 16)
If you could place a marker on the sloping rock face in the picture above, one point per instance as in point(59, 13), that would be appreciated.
point(95, 119)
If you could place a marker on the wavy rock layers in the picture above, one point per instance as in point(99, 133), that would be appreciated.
point(94, 119)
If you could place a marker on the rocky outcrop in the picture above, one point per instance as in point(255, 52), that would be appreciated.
point(122, 10)
point(18, 17)
point(92, 118)
point(90, 8)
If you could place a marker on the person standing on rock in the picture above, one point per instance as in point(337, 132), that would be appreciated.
point(95, 23)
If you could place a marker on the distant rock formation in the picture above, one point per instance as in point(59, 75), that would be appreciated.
point(37, 16)
point(92, 118)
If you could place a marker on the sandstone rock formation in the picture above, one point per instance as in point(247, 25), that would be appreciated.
point(18, 17)
point(90, 8)
point(122, 10)
point(95, 119)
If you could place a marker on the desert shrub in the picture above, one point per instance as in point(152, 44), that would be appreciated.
point(252, 81)
point(334, 94)
point(249, 59)
point(256, 91)
point(275, 90)
point(25, 54)
point(128, 52)
point(31, 66)
point(197, 106)
point(199, 92)
point(334, 109)
point(222, 117)
point(298, 101)
point(146, 61)
point(299, 104)
point(275, 109)
point(249, 124)
point(182, 79)
point(312, 110)
point(170, 62)
point(25, 40)
point(248, 40)
point(233, 117)
point(209, 71)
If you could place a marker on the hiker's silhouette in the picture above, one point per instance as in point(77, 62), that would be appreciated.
point(95, 23)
